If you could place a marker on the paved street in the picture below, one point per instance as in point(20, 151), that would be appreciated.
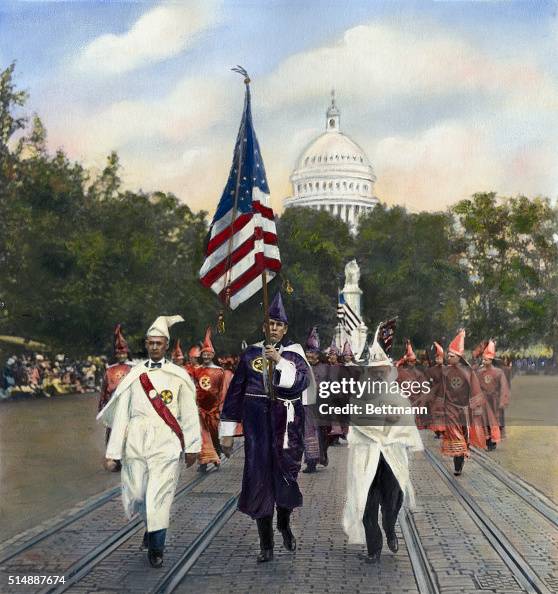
point(97, 550)
point(488, 531)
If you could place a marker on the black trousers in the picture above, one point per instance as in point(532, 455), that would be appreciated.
point(385, 492)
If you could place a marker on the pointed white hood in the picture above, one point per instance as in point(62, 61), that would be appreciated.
point(161, 325)
point(378, 357)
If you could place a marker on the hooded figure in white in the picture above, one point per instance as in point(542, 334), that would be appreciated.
point(149, 449)
point(378, 465)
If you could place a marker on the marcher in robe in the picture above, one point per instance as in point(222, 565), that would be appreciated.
point(272, 415)
point(496, 391)
point(463, 406)
point(209, 379)
point(435, 375)
point(114, 374)
point(315, 436)
point(378, 465)
point(154, 420)
point(409, 377)
point(336, 431)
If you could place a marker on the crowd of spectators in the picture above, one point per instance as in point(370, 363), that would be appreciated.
point(534, 365)
point(35, 374)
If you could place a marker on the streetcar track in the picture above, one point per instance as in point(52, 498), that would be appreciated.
point(521, 569)
point(172, 579)
point(62, 524)
point(424, 575)
point(527, 492)
point(83, 566)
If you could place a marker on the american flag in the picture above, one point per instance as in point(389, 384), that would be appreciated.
point(385, 335)
point(242, 237)
point(346, 316)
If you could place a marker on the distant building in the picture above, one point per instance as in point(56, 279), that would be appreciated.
point(333, 173)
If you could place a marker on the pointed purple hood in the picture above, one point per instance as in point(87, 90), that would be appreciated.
point(277, 309)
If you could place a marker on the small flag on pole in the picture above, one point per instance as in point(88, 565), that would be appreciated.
point(385, 335)
point(346, 316)
point(242, 237)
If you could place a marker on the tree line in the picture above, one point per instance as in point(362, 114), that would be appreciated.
point(79, 253)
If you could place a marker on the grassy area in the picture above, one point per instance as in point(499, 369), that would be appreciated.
point(532, 432)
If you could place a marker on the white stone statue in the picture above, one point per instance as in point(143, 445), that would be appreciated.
point(353, 295)
point(352, 274)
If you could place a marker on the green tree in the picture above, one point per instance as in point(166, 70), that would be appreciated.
point(509, 251)
point(410, 269)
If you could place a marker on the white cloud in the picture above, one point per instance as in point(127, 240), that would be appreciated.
point(438, 167)
point(499, 136)
point(160, 33)
point(191, 108)
point(378, 62)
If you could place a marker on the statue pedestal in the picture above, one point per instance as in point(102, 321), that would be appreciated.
point(352, 294)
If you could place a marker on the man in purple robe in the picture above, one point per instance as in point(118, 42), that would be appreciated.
point(273, 421)
point(315, 435)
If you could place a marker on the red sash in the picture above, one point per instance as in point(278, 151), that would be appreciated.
point(160, 407)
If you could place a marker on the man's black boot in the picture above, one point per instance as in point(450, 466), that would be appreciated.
point(156, 542)
point(392, 541)
point(458, 462)
point(283, 525)
point(310, 467)
point(265, 531)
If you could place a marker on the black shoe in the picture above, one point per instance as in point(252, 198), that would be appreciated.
point(265, 556)
point(392, 542)
point(371, 559)
point(265, 532)
point(289, 541)
point(284, 527)
point(310, 467)
point(145, 542)
point(458, 462)
point(155, 558)
point(202, 468)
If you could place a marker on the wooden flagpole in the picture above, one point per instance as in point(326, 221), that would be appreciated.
point(267, 330)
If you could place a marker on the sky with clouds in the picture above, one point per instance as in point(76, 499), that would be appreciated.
point(446, 98)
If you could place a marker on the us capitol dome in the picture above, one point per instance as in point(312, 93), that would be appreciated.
point(333, 173)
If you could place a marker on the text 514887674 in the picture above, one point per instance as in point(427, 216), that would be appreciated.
point(36, 579)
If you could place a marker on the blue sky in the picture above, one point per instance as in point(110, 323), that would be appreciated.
point(446, 98)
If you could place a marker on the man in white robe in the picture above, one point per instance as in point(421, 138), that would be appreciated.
point(378, 465)
point(149, 446)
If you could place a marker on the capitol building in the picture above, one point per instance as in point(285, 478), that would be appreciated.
point(333, 173)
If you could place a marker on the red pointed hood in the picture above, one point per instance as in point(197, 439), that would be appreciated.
point(457, 345)
point(490, 350)
point(439, 349)
point(120, 344)
point(207, 346)
point(409, 353)
point(177, 351)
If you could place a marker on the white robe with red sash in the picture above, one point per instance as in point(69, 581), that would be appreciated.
point(149, 449)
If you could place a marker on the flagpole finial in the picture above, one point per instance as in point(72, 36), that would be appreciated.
point(241, 70)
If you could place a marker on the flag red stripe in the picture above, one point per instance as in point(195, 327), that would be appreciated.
point(255, 270)
point(265, 211)
point(236, 255)
point(226, 233)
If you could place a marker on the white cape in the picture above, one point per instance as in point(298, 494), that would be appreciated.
point(366, 443)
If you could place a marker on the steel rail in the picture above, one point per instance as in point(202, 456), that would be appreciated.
point(523, 572)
